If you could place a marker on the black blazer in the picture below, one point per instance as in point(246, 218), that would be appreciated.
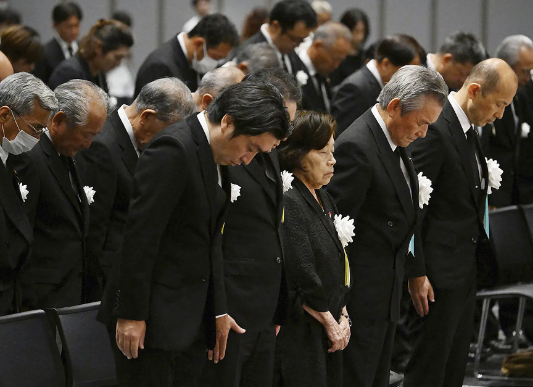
point(16, 237)
point(108, 166)
point(252, 246)
point(57, 275)
point(452, 234)
point(355, 95)
point(312, 98)
point(370, 187)
point(314, 256)
point(75, 68)
point(171, 256)
point(167, 61)
point(350, 65)
point(52, 56)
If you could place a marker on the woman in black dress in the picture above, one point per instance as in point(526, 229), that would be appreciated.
point(101, 50)
point(308, 349)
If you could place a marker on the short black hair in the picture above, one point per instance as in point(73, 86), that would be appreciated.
point(216, 29)
point(280, 79)
point(123, 16)
point(399, 49)
point(352, 16)
point(310, 131)
point(288, 12)
point(255, 108)
point(63, 11)
point(194, 2)
point(464, 47)
point(10, 16)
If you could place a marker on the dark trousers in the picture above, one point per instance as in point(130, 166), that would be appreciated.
point(249, 361)
point(159, 368)
point(367, 358)
point(441, 352)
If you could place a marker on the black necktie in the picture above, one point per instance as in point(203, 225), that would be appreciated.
point(473, 151)
point(283, 63)
point(70, 50)
point(68, 166)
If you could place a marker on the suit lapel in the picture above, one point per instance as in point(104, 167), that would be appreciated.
point(12, 203)
point(391, 163)
point(129, 154)
point(58, 170)
point(258, 174)
point(272, 158)
point(83, 198)
point(409, 165)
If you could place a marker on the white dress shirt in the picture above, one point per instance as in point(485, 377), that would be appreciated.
point(429, 61)
point(191, 23)
point(282, 58)
point(304, 56)
point(64, 46)
point(129, 129)
point(371, 65)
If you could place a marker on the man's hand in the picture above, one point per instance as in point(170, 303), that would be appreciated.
point(130, 337)
point(224, 324)
point(421, 291)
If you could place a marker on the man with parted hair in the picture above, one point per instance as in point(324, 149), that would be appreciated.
point(109, 163)
point(453, 254)
point(25, 106)
point(459, 53)
point(330, 46)
point(57, 204)
point(188, 56)
point(376, 185)
point(255, 57)
point(213, 83)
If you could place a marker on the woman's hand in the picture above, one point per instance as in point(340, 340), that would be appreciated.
point(344, 323)
point(337, 338)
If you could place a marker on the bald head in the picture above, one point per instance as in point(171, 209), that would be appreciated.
point(331, 44)
point(215, 82)
point(492, 74)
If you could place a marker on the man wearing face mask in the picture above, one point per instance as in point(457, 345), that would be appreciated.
point(190, 55)
point(25, 103)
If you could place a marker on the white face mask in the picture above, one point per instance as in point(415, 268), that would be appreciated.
point(206, 64)
point(23, 142)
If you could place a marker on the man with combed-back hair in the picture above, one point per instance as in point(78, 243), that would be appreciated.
point(255, 57)
point(170, 301)
point(25, 106)
point(453, 254)
point(376, 185)
point(57, 202)
point(213, 83)
point(109, 163)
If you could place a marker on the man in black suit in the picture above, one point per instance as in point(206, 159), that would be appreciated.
point(459, 53)
point(109, 163)
point(190, 55)
point(26, 103)
point(213, 83)
point(330, 46)
point(359, 92)
point(171, 285)
point(452, 248)
point(290, 22)
point(376, 185)
point(58, 203)
point(67, 19)
point(254, 277)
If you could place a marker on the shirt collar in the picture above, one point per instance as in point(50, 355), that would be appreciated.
point(461, 115)
point(264, 31)
point(304, 56)
point(374, 70)
point(429, 61)
point(203, 123)
point(64, 46)
point(129, 128)
point(181, 41)
point(381, 123)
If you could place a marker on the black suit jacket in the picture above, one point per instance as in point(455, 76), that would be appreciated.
point(252, 246)
point(16, 237)
point(75, 68)
point(524, 166)
point(108, 166)
point(370, 187)
point(53, 56)
point(171, 257)
point(452, 235)
point(355, 95)
point(56, 276)
point(312, 98)
point(167, 61)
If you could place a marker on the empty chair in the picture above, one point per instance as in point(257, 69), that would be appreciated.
point(86, 348)
point(29, 356)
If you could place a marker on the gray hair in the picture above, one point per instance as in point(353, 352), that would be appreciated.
point(411, 84)
point(218, 80)
point(20, 91)
point(258, 56)
point(321, 6)
point(330, 32)
point(509, 48)
point(74, 99)
point(169, 97)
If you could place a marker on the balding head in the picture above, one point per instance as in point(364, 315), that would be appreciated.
point(215, 82)
point(517, 51)
point(331, 44)
point(254, 57)
point(488, 89)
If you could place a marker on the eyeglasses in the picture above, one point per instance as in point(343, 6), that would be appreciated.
point(35, 131)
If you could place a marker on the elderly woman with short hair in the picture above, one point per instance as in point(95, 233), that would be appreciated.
point(308, 347)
